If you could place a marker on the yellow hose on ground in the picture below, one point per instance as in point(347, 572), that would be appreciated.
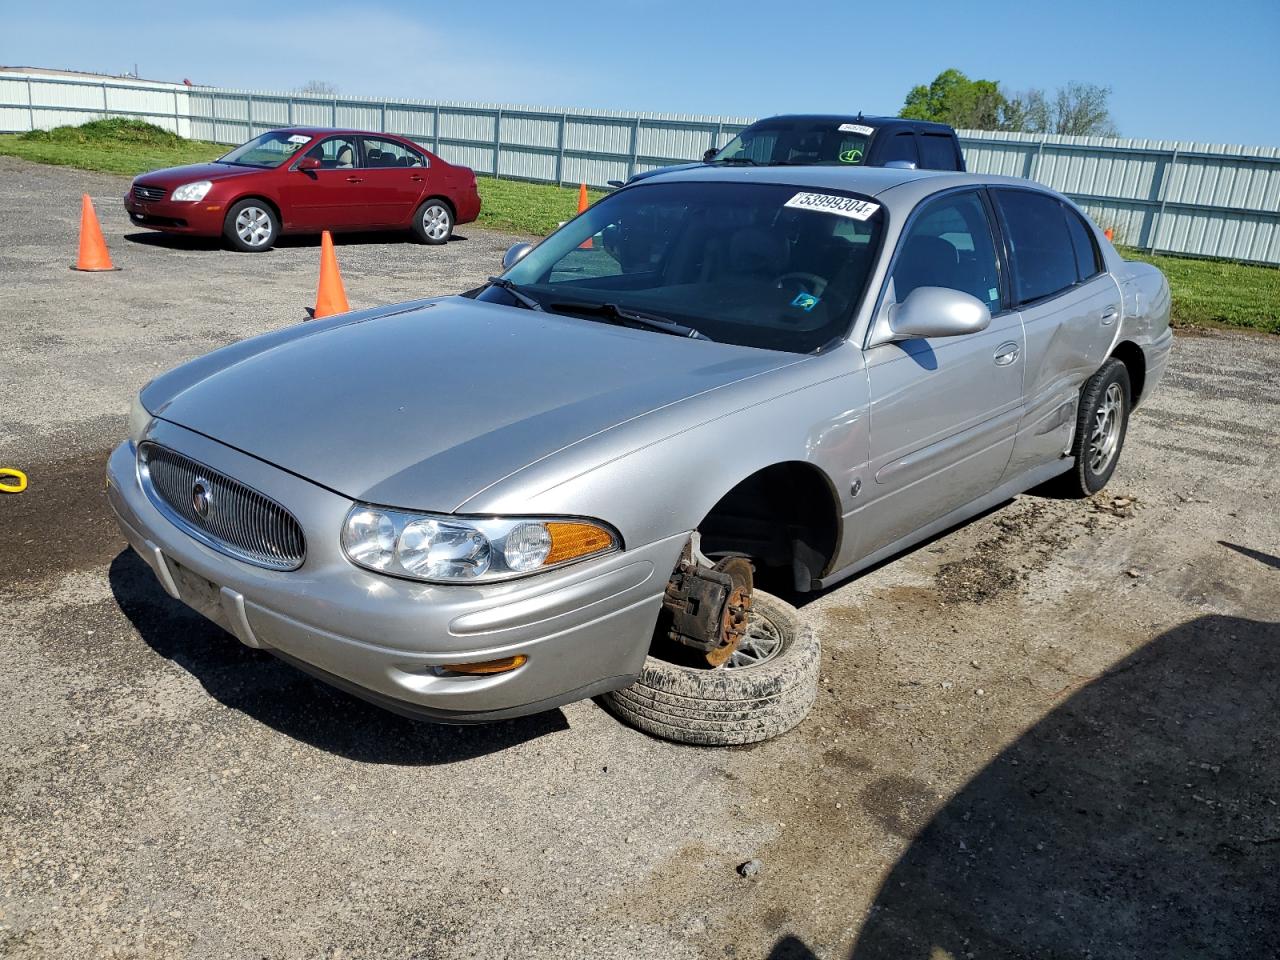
point(20, 480)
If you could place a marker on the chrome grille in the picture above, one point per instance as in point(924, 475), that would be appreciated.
point(143, 192)
point(235, 520)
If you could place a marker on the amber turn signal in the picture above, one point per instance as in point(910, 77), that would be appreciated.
point(505, 665)
point(570, 540)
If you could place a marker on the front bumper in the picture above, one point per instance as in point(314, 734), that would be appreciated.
point(585, 629)
point(199, 219)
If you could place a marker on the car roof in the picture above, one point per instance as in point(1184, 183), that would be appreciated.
point(909, 186)
point(327, 131)
point(839, 118)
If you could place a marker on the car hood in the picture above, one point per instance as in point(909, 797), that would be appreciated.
point(646, 174)
point(424, 407)
point(171, 177)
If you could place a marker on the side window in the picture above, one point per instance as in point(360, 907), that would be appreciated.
point(950, 245)
point(901, 146)
point(336, 153)
point(388, 153)
point(1044, 262)
point(1088, 263)
point(937, 152)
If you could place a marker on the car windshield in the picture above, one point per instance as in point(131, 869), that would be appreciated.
point(269, 150)
point(756, 264)
point(821, 143)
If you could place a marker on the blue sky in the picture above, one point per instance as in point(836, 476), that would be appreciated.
point(1178, 69)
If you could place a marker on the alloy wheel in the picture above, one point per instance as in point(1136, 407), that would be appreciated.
point(1105, 437)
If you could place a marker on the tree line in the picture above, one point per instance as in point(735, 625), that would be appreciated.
point(1076, 109)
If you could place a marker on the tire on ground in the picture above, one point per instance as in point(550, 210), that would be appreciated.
point(728, 705)
point(231, 231)
point(1081, 480)
point(433, 221)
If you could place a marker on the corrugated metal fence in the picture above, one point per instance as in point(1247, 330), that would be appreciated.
point(1172, 196)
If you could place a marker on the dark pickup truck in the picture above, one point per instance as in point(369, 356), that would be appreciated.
point(835, 140)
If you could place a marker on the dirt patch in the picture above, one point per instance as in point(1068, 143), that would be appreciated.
point(61, 523)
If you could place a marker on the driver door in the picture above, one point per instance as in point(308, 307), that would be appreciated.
point(325, 199)
point(944, 410)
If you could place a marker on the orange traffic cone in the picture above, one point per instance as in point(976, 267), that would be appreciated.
point(1109, 233)
point(93, 249)
point(583, 203)
point(330, 297)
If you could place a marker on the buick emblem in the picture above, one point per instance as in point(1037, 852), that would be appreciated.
point(201, 498)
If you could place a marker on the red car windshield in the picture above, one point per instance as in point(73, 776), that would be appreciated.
point(269, 150)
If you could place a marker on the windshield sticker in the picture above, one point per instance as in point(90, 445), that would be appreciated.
point(857, 128)
point(851, 156)
point(805, 301)
point(298, 138)
point(830, 203)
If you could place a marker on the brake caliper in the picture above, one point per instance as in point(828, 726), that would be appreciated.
point(709, 607)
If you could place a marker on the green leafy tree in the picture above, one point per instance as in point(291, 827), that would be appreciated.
point(955, 99)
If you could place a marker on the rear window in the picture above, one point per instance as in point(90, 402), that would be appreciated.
point(901, 146)
point(937, 152)
point(1044, 261)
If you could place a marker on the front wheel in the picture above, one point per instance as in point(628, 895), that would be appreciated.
point(766, 687)
point(433, 223)
point(1101, 424)
point(251, 226)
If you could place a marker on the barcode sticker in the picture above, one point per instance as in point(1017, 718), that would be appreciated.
point(849, 207)
point(857, 128)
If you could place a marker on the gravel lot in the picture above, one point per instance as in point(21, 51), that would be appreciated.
point(1050, 733)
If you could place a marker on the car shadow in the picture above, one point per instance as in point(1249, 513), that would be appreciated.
point(1138, 819)
point(178, 241)
point(291, 702)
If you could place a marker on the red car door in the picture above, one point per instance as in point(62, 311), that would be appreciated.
point(327, 198)
point(395, 177)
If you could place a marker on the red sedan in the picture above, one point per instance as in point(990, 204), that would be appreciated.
point(304, 180)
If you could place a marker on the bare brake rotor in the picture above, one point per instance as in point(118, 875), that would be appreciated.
point(709, 606)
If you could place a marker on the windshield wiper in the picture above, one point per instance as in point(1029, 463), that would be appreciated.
point(523, 299)
point(611, 311)
point(745, 160)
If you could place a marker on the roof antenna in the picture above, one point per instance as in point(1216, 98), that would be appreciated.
point(859, 114)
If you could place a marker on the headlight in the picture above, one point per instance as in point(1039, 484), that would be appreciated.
point(139, 420)
point(191, 191)
point(445, 549)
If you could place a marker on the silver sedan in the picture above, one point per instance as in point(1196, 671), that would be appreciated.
point(596, 474)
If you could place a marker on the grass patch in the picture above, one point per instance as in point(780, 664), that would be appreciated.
point(1219, 293)
point(519, 207)
point(113, 145)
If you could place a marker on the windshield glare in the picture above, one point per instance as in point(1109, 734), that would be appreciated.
point(732, 260)
point(269, 150)
point(814, 144)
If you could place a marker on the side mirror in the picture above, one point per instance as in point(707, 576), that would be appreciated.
point(614, 183)
point(710, 155)
point(938, 312)
point(515, 254)
point(900, 165)
point(308, 163)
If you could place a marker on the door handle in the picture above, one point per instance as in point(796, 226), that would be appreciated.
point(355, 179)
point(1006, 353)
point(416, 179)
point(1109, 315)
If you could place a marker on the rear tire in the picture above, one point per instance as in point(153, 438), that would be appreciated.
point(1101, 424)
point(251, 226)
point(730, 704)
point(433, 222)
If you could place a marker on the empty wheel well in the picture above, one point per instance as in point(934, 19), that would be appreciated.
point(785, 518)
point(1131, 355)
